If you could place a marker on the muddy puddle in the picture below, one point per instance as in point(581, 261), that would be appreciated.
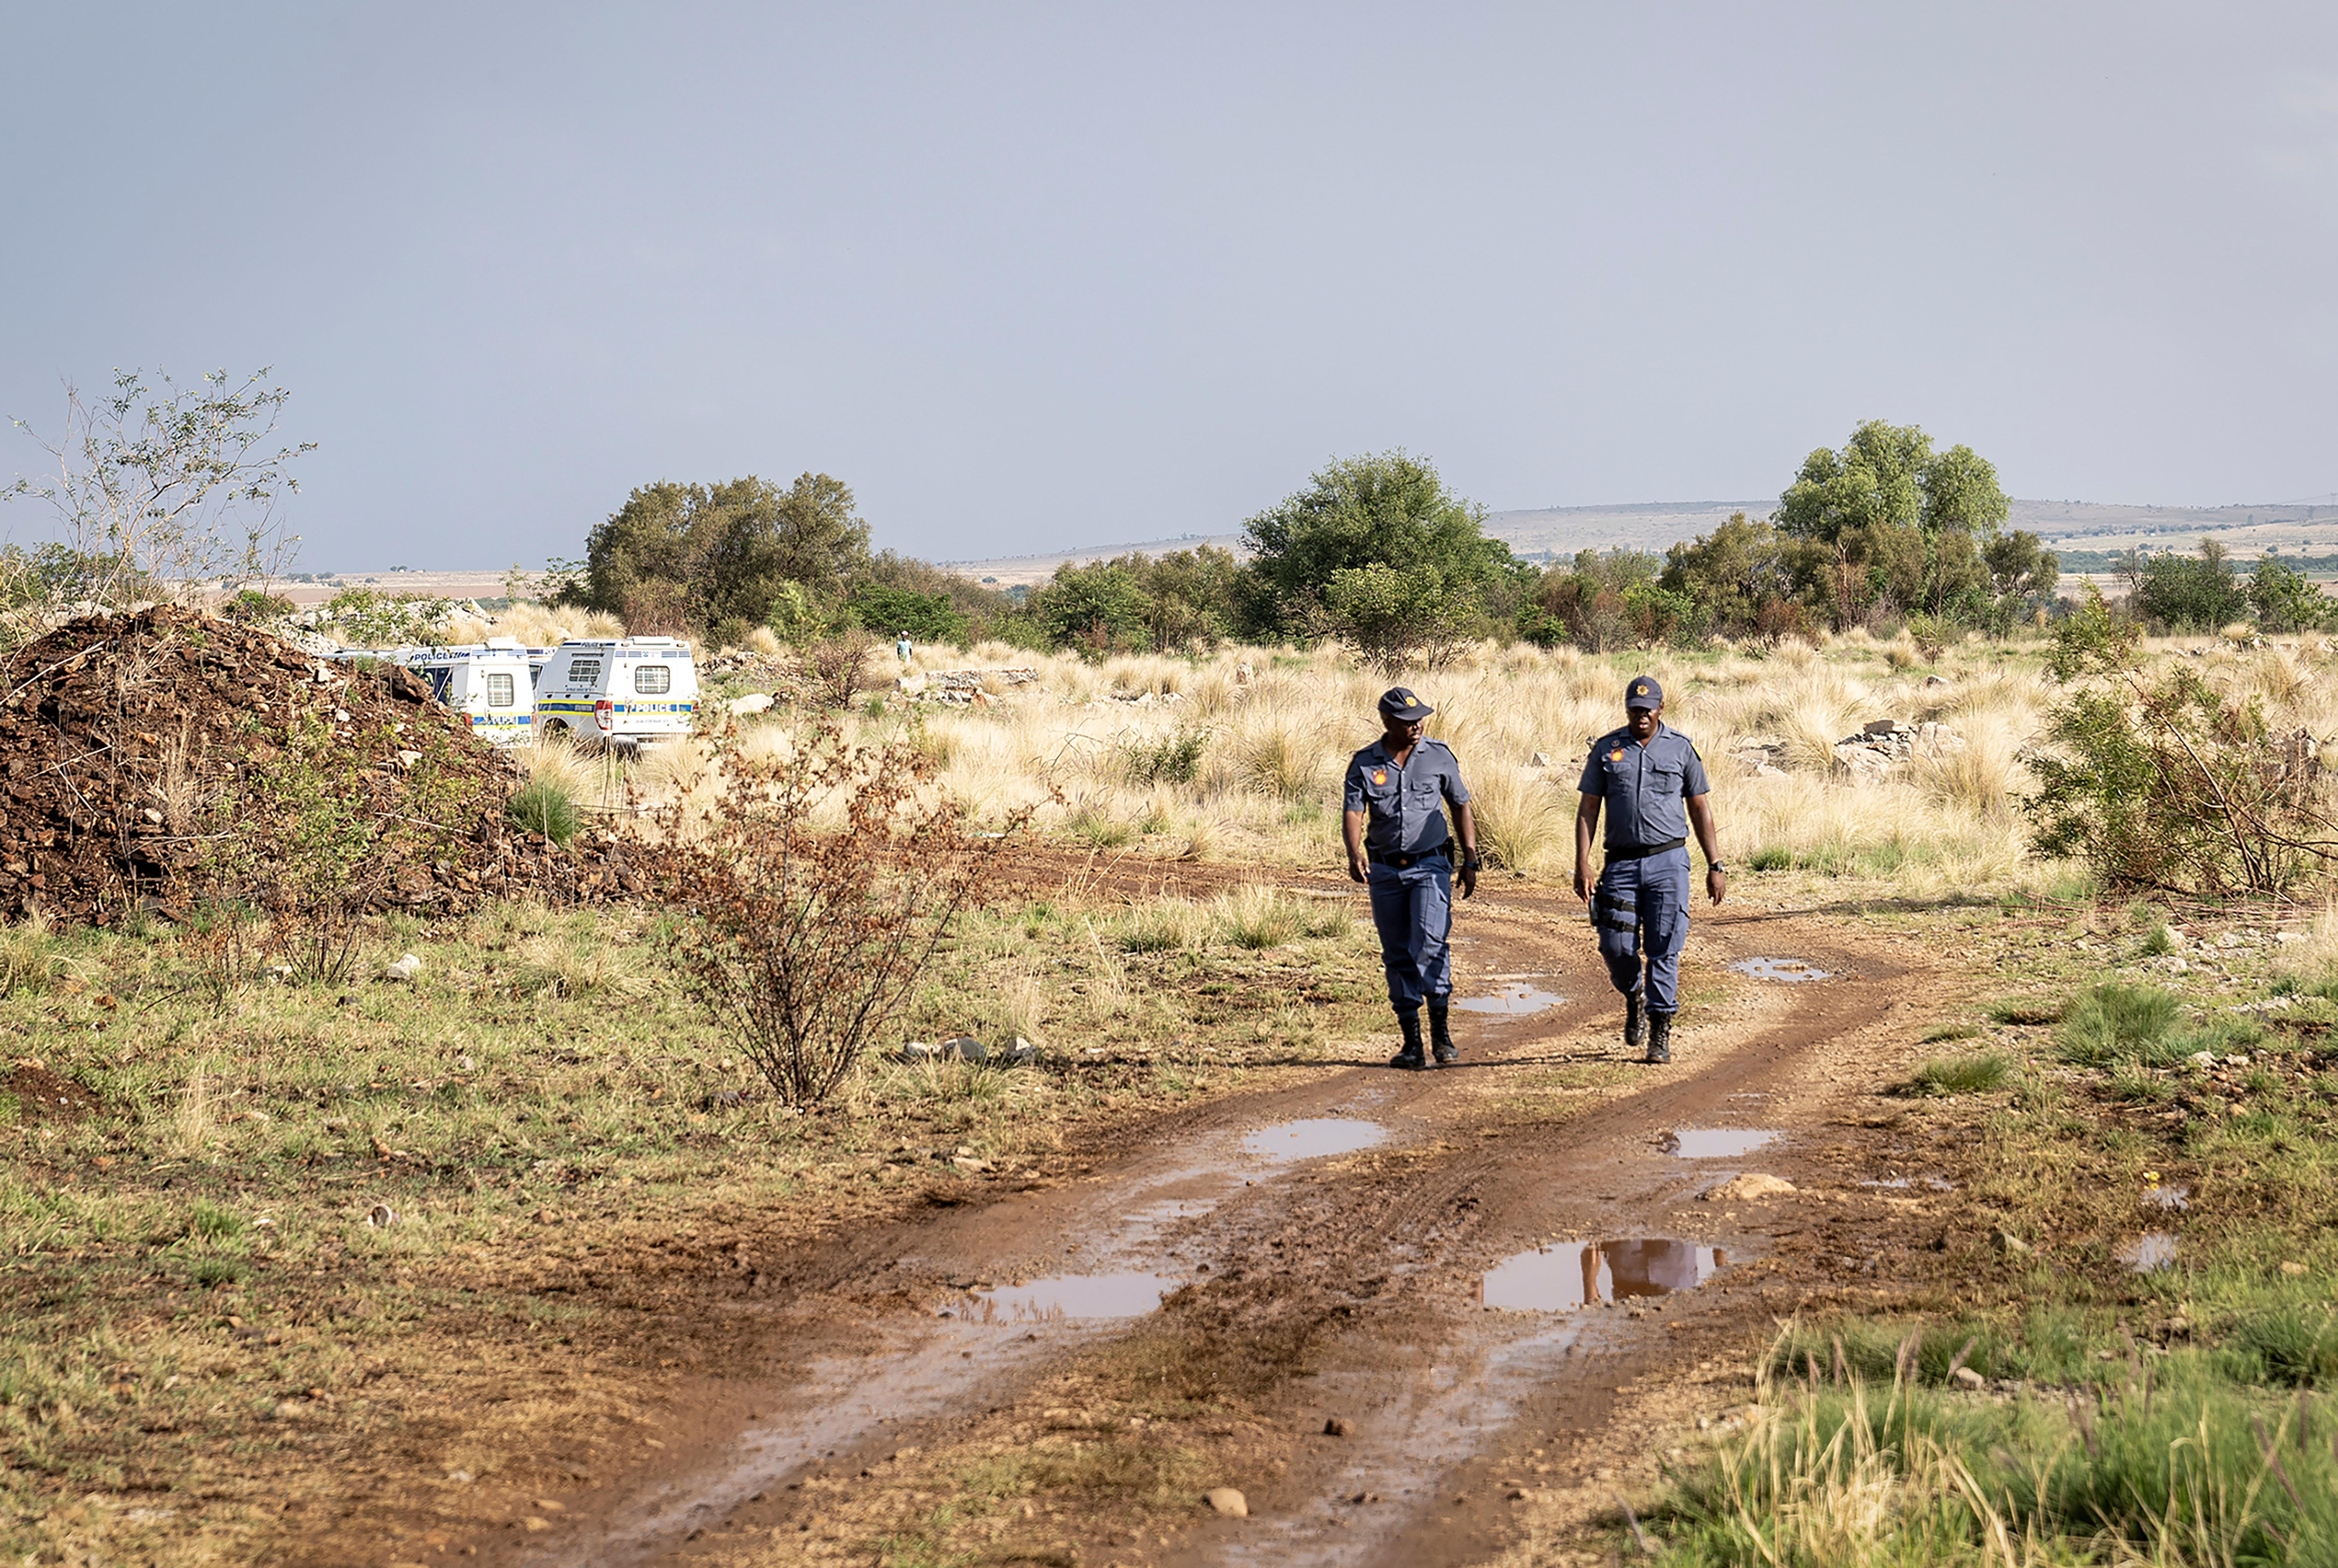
point(1562, 1278)
point(1313, 1137)
point(1136, 1241)
point(1715, 1142)
point(1512, 997)
point(1790, 970)
point(2148, 1253)
point(1066, 1298)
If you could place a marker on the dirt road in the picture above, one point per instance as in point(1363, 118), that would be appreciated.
point(1495, 1282)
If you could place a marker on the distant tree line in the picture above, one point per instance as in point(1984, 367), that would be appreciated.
point(1375, 551)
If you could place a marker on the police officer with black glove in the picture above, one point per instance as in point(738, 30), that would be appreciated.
point(1651, 781)
point(1399, 846)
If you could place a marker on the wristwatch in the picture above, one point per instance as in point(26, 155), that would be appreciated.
point(1720, 866)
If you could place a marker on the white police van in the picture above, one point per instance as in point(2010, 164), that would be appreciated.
point(488, 683)
point(625, 691)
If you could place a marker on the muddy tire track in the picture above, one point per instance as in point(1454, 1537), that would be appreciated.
point(1371, 1258)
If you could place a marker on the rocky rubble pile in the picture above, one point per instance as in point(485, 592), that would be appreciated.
point(963, 687)
point(1881, 747)
point(123, 738)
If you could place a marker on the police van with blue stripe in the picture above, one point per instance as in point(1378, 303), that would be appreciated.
point(489, 683)
point(622, 690)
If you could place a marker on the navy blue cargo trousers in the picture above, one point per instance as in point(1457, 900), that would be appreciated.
point(1641, 908)
point(1413, 909)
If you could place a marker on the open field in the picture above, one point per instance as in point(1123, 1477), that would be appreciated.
point(515, 1260)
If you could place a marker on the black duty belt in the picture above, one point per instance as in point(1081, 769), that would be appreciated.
point(1641, 851)
point(1404, 862)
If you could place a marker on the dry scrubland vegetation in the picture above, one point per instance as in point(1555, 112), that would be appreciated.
point(264, 1241)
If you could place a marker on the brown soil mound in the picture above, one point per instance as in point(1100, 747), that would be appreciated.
point(116, 729)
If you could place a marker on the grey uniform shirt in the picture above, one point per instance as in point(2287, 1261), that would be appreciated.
point(1645, 788)
point(1404, 807)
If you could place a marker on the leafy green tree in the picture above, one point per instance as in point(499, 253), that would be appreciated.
point(2020, 566)
point(1192, 596)
point(1889, 523)
point(1098, 609)
point(1740, 575)
point(2283, 600)
point(719, 553)
point(2192, 593)
point(1386, 509)
point(1396, 619)
point(927, 617)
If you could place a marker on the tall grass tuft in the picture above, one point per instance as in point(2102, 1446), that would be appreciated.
point(2183, 1470)
point(542, 806)
point(2115, 1023)
point(1959, 1075)
point(28, 955)
point(1522, 823)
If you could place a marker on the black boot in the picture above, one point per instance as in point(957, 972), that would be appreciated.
point(1440, 1036)
point(1660, 1038)
point(1410, 1056)
point(1635, 1028)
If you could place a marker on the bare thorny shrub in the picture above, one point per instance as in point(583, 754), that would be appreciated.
point(830, 670)
point(802, 937)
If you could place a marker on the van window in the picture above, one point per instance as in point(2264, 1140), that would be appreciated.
point(584, 672)
point(499, 691)
point(441, 680)
point(653, 678)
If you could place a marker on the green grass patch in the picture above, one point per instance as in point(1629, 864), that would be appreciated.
point(1959, 1075)
point(2027, 1012)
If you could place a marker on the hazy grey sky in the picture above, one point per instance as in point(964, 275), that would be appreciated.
point(1035, 274)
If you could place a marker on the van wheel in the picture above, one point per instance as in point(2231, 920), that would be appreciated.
point(555, 729)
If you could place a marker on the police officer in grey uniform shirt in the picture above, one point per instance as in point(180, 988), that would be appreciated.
point(1652, 782)
point(1397, 792)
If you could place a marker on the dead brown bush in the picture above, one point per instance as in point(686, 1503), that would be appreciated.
point(802, 938)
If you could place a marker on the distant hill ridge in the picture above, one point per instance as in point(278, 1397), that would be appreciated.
point(1559, 531)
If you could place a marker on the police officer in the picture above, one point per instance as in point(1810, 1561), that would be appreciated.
point(1398, 845)
point(1653, 783)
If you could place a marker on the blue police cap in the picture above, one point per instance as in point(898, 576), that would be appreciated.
point(1644, 692)
point(1400, 704)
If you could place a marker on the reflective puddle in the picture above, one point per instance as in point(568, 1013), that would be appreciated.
point(2148, 1253)
point(1787, 969)
point(1313, 1137)
point(2167, 1197)
point(1514, 997)
point(1066, 1298)
point(1715, 1143)
point(1560, 1277)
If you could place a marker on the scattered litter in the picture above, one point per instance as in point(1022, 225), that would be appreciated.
point(382, 1216)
